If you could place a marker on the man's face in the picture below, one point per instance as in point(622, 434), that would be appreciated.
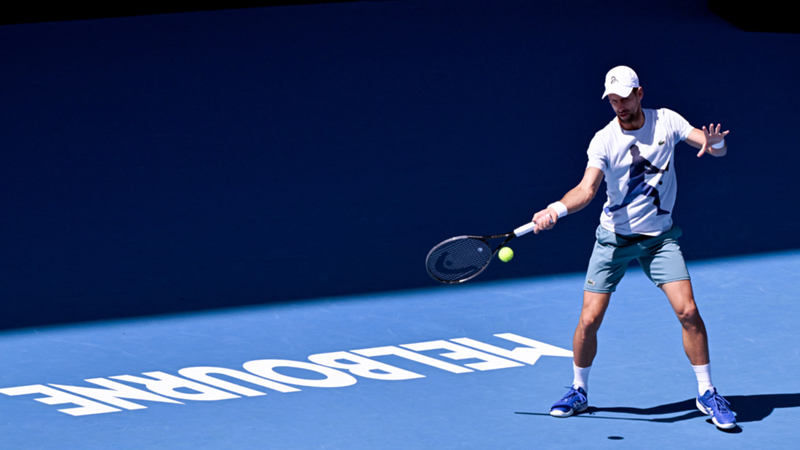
point(628, 109)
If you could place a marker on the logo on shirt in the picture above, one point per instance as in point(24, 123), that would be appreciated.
point(637, 185)
point(661, 142)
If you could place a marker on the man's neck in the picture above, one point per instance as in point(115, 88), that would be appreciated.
point(633, 125)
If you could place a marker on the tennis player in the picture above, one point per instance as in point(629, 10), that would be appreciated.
point(634, 154)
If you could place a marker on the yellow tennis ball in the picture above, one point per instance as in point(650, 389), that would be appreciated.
point(505, 254)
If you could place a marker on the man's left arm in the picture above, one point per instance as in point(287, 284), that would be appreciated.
point(706, 140)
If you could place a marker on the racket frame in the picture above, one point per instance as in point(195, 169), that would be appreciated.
point(525, 229)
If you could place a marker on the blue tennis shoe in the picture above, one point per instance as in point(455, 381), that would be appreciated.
point(718, 408)
point(573, 403)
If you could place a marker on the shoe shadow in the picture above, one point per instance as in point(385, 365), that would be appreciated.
point(748, 408)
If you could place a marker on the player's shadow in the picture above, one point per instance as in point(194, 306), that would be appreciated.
point(748, 408)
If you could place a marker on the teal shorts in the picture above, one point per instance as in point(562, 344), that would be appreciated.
point(660, 257)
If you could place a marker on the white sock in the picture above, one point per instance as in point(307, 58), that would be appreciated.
point(581, 377)
point(703, 374)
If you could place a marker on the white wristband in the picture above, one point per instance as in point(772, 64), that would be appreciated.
point(560, 209)
point(719, 144)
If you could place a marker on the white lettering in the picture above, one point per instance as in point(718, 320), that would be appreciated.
point(527, 355)
point(266, 368)
point(363, 366)
point(168, 385)
point(56, 397)
point(407, 354)
point(458, 352)
point(326, 370)
point(541, 347)
point(201, 374)
point(114, 393)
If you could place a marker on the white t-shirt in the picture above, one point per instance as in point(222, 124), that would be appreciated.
point(639, 172)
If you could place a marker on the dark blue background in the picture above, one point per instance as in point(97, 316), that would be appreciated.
point(188, 161)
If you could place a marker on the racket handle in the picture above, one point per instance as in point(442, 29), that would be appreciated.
point(525, 229)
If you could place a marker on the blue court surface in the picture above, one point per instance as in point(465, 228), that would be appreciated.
point(422, 383)
point(214, 226)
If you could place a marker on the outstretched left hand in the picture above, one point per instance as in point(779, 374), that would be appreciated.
point(713, 136)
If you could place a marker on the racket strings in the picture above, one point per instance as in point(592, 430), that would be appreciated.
point(459, 259)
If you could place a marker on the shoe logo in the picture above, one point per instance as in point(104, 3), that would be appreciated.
point(661, 142)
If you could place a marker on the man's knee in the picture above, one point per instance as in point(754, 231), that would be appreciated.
point(681, 297)
point(590, 323)
point(594, 308)
point(690, 317)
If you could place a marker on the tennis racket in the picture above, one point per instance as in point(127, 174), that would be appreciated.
point(462, 258)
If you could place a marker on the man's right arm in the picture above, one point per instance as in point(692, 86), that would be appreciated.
point(575, 200)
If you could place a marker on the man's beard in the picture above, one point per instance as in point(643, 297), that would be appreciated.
point(632, 115)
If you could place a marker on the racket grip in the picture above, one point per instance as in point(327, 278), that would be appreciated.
point(525, 229)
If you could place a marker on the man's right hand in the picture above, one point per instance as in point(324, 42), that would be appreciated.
point(545, 220)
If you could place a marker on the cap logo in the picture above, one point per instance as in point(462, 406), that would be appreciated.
point(613, 80)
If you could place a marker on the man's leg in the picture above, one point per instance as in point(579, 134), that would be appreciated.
point(695, 339)
point(584, 342)
point(695, 343)
point(584, 349)
point(607, 265)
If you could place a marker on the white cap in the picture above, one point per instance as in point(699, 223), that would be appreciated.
point(621, 80)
